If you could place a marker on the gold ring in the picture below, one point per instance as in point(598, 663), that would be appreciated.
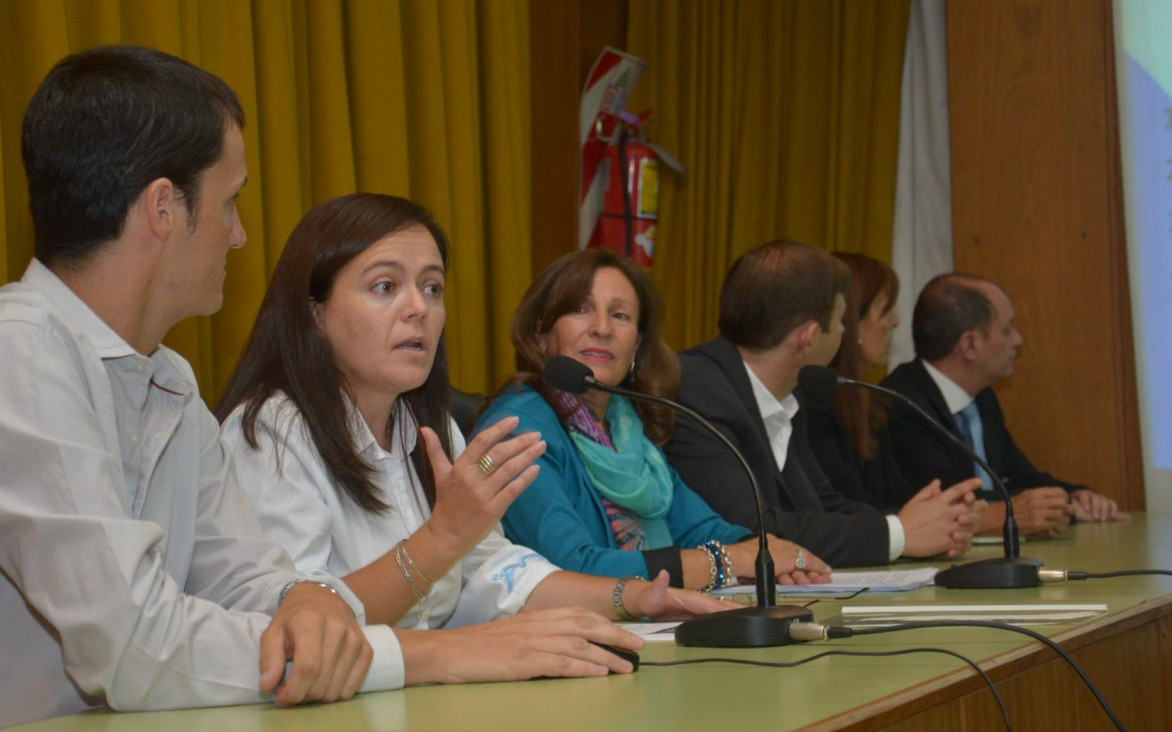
point(486, 464)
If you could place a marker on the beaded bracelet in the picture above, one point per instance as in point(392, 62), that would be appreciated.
point(720, 565)
point(712, 570)
point(730, 577)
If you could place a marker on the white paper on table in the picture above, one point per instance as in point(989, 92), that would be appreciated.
point(995, 539)
point(896, 580)
point(1007, 613)
point(652, 631)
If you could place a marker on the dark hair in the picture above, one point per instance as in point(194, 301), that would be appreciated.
point(949, 306)
point(287, 352)
point(774, 288)
point(566, 284)
point(102, 126)
point(863, 412)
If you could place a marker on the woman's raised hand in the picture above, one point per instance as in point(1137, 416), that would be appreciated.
point(473, 493)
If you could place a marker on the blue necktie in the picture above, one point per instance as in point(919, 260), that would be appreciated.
point(968, 420)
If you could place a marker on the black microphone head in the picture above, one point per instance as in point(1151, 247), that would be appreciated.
point(818, 380)
point(566, 374)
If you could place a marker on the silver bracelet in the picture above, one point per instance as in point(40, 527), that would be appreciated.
point(290, 585)
point(403, 568)
point(616, 600)
point(403, 548)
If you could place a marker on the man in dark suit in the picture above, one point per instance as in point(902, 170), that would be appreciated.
point(965, 342)
point(781, 308)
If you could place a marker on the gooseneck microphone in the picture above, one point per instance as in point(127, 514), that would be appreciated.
point(1010, 571)
point(751, 627)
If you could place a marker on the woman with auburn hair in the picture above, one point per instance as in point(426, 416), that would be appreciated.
point(848, 431)
point(606, 502)
point(337, 415)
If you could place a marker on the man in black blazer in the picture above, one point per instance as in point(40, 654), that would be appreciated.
point(966, 341)
point(781, 308)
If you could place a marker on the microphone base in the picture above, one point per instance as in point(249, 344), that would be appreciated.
point(750, 627)
point(988, 574)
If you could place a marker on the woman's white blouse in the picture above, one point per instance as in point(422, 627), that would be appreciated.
point(300, 508)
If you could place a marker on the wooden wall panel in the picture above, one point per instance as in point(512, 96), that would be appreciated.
point(565, 38)
point(1036, 189)
point(1131, 670)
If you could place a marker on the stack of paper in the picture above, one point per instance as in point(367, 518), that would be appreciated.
point(1020, 614)
point(848, 582)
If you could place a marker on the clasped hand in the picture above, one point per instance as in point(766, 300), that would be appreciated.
point(941, 521)
point(316, 630)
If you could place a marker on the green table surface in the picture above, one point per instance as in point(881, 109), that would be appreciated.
point(723, 696)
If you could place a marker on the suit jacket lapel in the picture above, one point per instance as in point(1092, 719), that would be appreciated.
point(938, 408)
point(728, 358)
point(799, 494)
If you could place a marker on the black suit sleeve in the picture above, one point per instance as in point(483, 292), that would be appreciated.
point(715, 474)
point(800, 455)
point(886, 485)
point(831, 447)
point(923, 455)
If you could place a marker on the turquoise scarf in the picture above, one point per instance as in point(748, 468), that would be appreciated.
point(633, 474)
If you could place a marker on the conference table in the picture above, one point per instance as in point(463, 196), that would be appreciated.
point(1127, 652)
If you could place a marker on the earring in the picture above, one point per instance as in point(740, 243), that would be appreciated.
point(631, 371)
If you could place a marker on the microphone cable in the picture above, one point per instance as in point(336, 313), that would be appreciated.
point(902, 652)
point(1062, 575)
point(819, 631)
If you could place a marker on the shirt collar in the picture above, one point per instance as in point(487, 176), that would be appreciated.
point(108, 343)
point(402, 443)
point(768, 405)
point(955, 397)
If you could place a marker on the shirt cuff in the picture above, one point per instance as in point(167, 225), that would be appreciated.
point(387, 670)
point(344, 592)
point(666, 558)
point(527, 582)
point(896, 539)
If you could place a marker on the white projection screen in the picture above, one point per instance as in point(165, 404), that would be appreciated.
point(1143, 47)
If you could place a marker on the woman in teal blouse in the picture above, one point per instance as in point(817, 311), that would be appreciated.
point(606, 502)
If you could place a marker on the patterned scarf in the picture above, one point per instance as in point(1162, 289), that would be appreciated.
point(632, 473)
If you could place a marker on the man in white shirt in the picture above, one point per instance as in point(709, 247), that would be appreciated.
point(132, 570)
point(966, 341)
point(781, 308)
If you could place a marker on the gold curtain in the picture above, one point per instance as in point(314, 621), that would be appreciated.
point(785, 114)
point(427, 100)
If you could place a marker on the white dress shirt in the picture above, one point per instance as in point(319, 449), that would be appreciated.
point(132, 569)
point(958, 400)
point(954, 396)
point(778, 416)
point(301, 508)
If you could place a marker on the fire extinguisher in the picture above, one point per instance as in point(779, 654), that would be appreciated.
point(618, 190)
point(630, 208)
point(629, 212)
